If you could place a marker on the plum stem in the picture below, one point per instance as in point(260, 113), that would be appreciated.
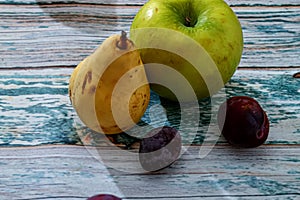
point(122, 43)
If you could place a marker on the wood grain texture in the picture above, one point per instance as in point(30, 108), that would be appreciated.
point(46, 153)
point(61, 33)
point(76, 172)
point(35, 108)
point(141, 2)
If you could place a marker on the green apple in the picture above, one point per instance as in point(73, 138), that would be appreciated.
point(183, 33)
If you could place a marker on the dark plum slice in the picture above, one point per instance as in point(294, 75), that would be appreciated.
point(159, 148)
point(104, 197)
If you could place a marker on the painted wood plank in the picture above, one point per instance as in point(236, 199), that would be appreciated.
point(224, 172)
point(35, 108)
point(141, 2)
point(63, 34)
point(52, 173)
point(76, 172)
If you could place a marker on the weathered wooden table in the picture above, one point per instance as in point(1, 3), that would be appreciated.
point(46, 154)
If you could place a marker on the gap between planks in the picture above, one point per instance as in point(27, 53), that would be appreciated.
point(73, 66)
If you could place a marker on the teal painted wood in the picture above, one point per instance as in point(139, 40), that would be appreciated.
point(35, 108)
point(33, 35)
point(77, 172)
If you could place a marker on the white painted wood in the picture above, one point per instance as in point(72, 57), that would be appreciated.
point(73, 172)
point(62, 34)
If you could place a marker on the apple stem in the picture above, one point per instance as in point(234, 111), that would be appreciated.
point(122, 43)
point(188, 21)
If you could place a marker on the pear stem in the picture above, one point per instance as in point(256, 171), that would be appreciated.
point(122, 43)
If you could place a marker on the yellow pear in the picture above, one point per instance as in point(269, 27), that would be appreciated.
point(109, 89)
